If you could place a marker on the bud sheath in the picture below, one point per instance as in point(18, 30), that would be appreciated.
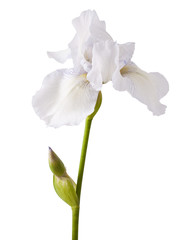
point(66, 190)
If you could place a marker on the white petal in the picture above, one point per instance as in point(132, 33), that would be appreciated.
point(126, 51)
point(86, 65)
point(148, 88)
point(105, 56)
point(64, 99)
point(89, 30)
point(108, 58)
point(88, 22)
point(60, 56)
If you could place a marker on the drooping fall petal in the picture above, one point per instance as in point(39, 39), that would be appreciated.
point(64, 99)
point(148, 88)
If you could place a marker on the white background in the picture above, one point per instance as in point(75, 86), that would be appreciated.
point(131, 187)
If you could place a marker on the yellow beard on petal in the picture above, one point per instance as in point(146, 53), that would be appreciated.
point(84, 77)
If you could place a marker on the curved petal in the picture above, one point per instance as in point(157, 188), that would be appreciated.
point(103, 63)
point(87, 19)
point(148, 88)
point(126, 51)
point(108, 58)
point(60, 56)
point(64, 99)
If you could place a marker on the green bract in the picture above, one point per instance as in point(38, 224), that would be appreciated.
point(66, 190)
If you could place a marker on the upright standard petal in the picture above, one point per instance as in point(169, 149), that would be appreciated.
point(89, 29)
point(85, 21)
point(108, 58)
point(148, 88)
point(64, 99)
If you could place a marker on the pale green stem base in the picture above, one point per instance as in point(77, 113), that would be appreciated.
point(75, 210)
point(75, 221)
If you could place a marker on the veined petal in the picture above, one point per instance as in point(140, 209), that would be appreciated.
point(148, 88)
point(64, 99)
point(60, 56)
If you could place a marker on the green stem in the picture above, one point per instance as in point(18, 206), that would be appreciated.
point(83, 156)
point(75, 210)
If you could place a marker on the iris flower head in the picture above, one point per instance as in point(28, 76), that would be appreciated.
point(68, 96)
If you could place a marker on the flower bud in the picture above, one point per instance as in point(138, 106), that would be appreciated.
point(55, 164)
point(66, 190)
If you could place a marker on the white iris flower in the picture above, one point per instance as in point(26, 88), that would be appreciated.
point(68, 96)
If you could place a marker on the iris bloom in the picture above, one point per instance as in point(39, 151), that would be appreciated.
point(68, 96)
